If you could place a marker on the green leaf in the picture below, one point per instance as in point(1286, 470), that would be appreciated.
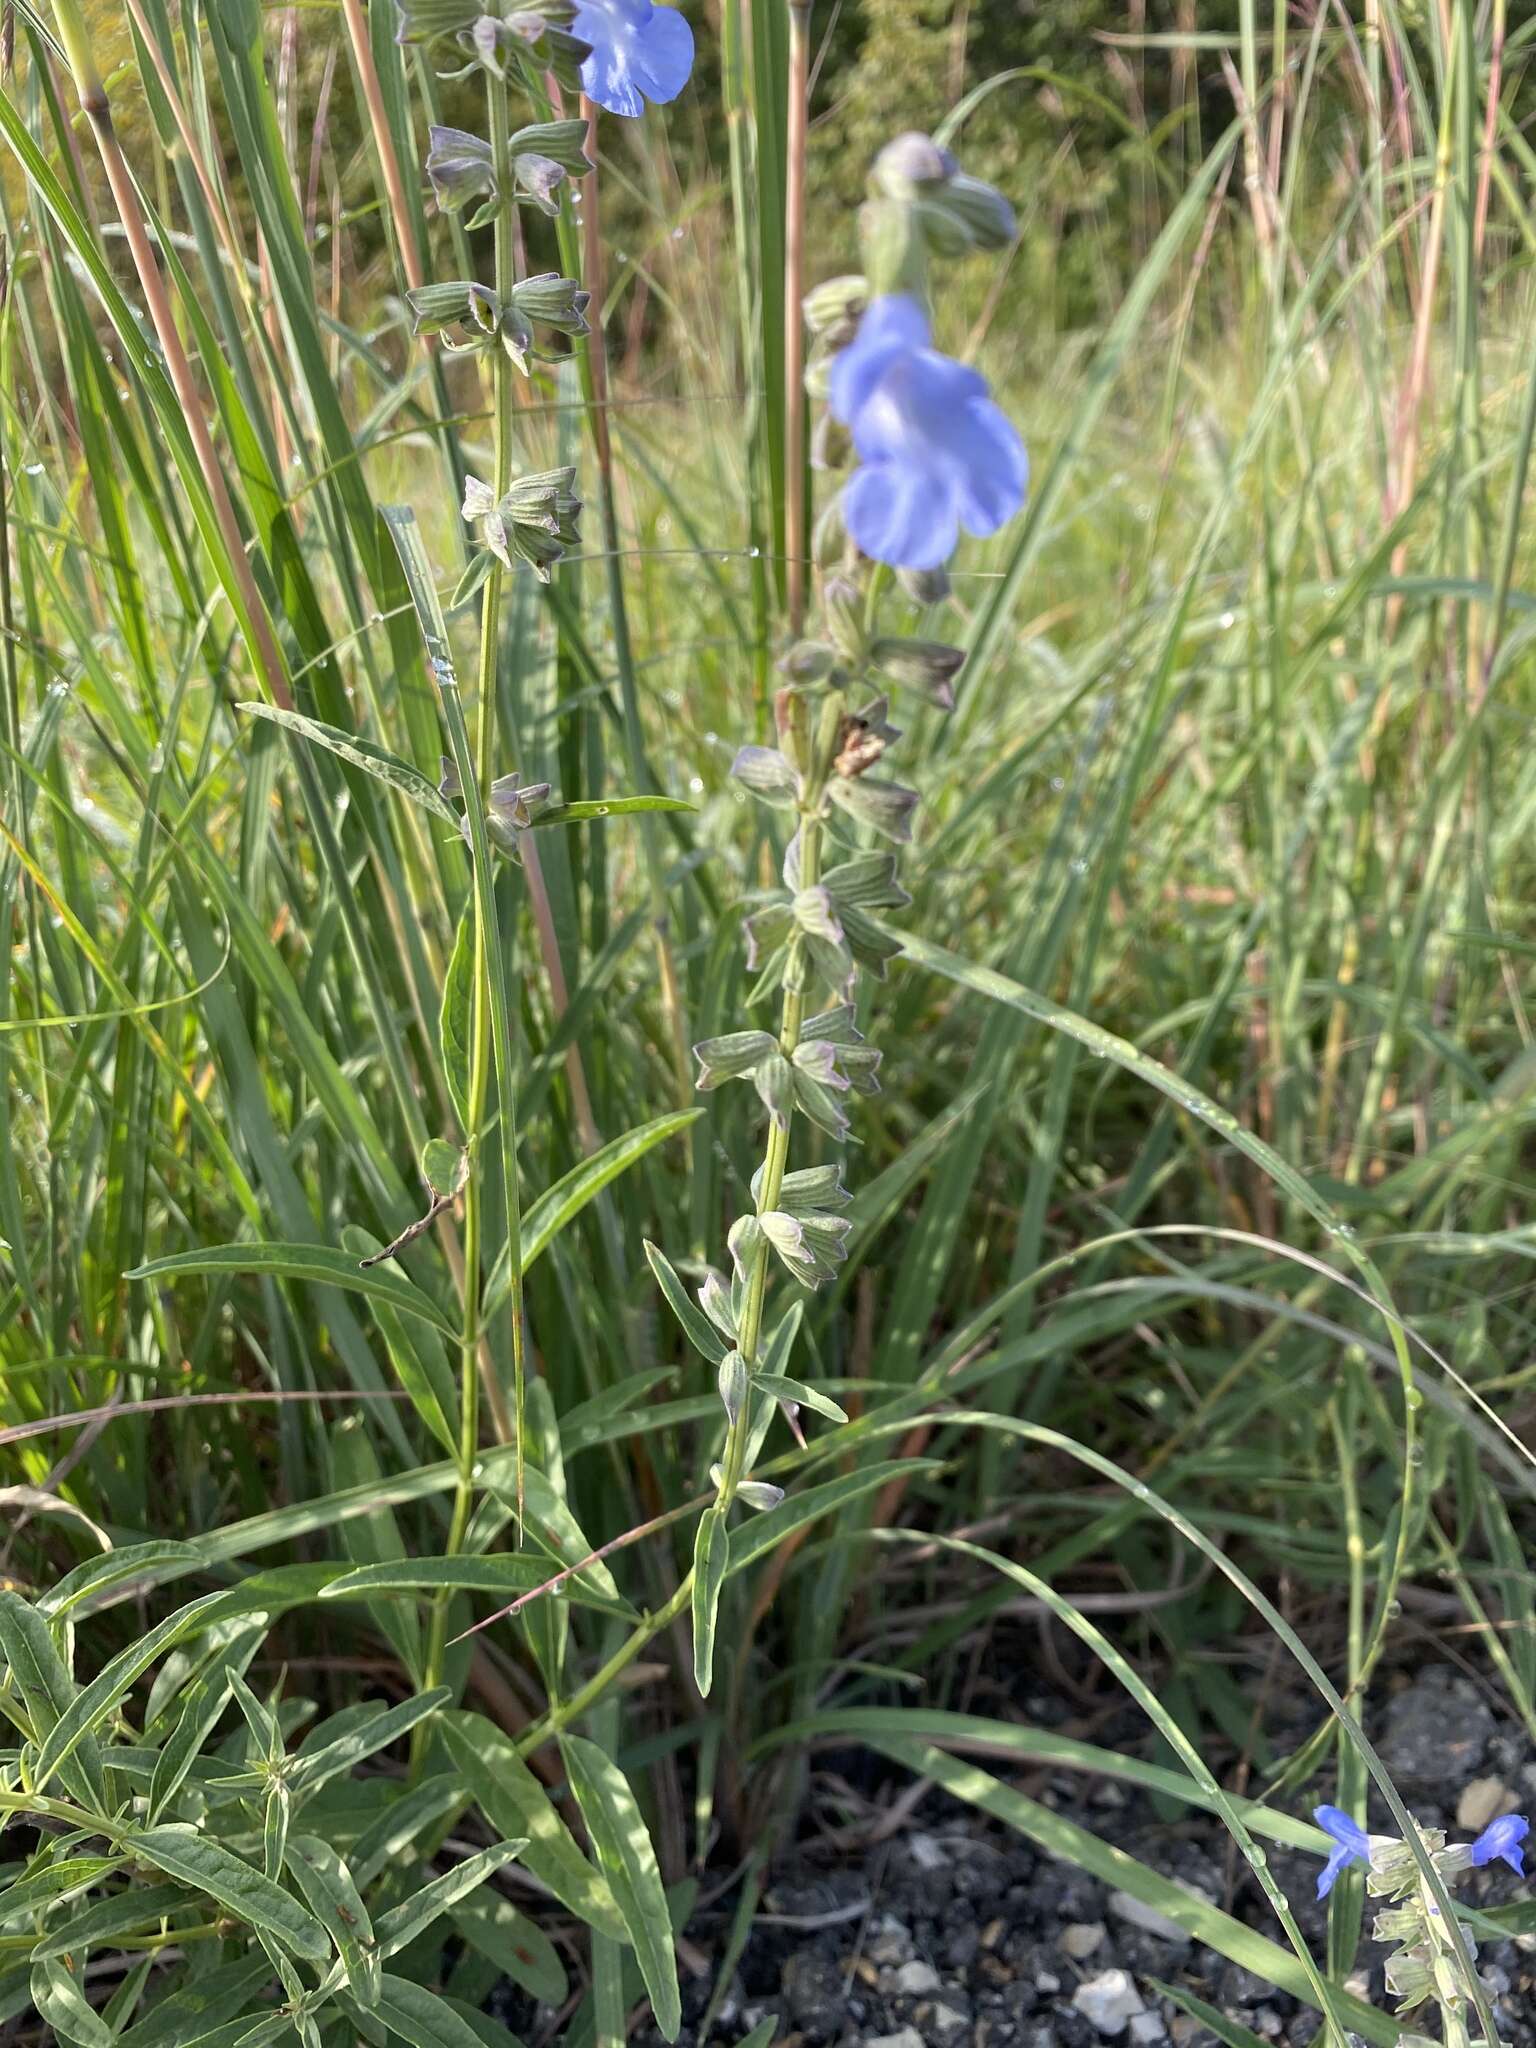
point(444, 1167)
point(504, 1576)
point(318, 1263)
point(1022, 1744)
point(91, 1707)
point(97, 1573)
point(515, 1803)
point(783, 1389)
point(333, 1898)
point(61, 2002)
point(609, 807)
point(53, 1882)
point(629, 1863)
point(518, 1946)
point(48, 1692)
point(194, 1860)
point(308, 1771)
point(200, 1710)
point(143, 1906)
point(697, 1328)
point(1228, 2030)
point(375, 760)
point(711, 1550)
point(421, 2017)
point(545, 1218)
point(195, 2009)
point(429, 1902)
point(454, 1015)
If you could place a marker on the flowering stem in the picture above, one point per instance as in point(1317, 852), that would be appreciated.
point(776, 1152)
point(490, 1025)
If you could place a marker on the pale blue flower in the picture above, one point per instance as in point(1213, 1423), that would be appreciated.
point(640, 52)
point(935, 453)
point(1500, 1841)
point(1352, 1845)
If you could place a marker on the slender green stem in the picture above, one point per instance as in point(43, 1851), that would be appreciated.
point(564, 1712)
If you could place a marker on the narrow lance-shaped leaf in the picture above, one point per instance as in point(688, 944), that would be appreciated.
point(513, 1801)
point(711, 1551)
point(252, 1897)
point(629, 1863)
point(48, 1692)
point(697, 1328)
point(375, 760)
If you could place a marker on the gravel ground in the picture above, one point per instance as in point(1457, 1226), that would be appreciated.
point(958, 1933)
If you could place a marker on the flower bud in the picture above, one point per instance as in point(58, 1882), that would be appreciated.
point(843, 603)
point(423, 21)
point(834, 307)
point(829, 536)
point(980, 210)
point(775, 1080)
point(926, 665)
point(1409, 1975)
point(759, 1494)
point(733, 1383)
point(809, 662)
point(767, 773)
point(563, 142)
point(538, 179)
point(715, 1300)
point(514, 805)
point(550, 300)
point(884, 806)
point(461, 167)
point(911, 166)
point(435, 308)
point(731, 1057)
point(924, 586)
point(746, 1235)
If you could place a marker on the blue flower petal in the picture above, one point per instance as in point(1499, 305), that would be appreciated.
point(935, 452)
point(894, 515)
point(892, 327)
point(1501, 1840)
point(664, 55)
point(639, 51)
point(994, 468)
point(1353, 1844)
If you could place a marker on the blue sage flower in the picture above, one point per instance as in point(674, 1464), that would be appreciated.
point(639, 52)
point(1500, 1842)
point(935, 453)
point(1352, 1845)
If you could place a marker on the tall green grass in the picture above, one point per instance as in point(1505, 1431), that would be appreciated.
point(1194, 1217)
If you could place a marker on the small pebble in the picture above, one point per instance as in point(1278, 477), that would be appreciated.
point(1481, 1801)
point(1081, 1939)
point(914, 1979)
point(1109, 2001)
